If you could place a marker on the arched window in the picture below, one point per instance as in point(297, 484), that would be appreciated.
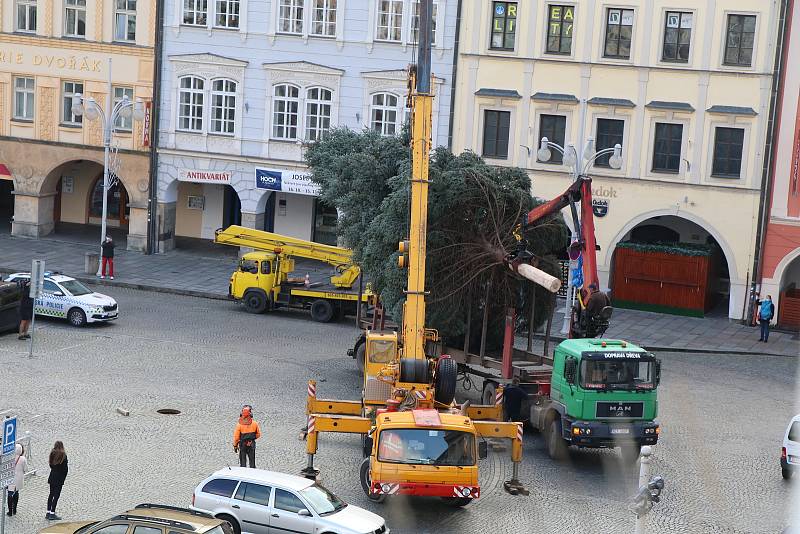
point(285, 111)
point(318, 112)
point(223, 106)
point(190, 104)
point(117, 204)
point(384, 113)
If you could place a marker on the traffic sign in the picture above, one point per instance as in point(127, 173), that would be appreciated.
point(7, 465)
point(9, 435)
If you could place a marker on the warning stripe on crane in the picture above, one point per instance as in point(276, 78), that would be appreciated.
point(312, 423)
point(519, 431)
point(498, 397)
point(466, 491)
point(312, 389)
point(420, 394)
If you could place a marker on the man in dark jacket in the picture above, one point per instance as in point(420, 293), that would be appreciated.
point(513, 396)
point(108, 258)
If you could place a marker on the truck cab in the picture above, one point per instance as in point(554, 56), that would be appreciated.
point(603, 394)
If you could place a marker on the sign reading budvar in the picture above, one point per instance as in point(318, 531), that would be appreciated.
point(205, 177)
point(286, 181)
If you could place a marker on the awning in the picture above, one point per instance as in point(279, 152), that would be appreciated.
point(5, 174)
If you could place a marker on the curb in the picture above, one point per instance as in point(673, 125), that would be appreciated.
point(691, 350)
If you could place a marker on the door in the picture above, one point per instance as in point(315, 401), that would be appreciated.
point(251, 507)
point(52, 300)
point(285, 517)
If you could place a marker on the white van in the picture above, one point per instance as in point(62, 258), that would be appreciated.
point(790, 452)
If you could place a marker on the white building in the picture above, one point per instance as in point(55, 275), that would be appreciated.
point(245, 83)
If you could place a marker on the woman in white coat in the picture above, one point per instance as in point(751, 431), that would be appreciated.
point(20, 464)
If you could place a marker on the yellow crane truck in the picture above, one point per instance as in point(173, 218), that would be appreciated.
point(416, 440)
point(263, 280)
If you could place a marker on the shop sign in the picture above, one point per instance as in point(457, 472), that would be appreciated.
point(146, 124)
point(205, 177)
point(286, 181)
point(599, 207)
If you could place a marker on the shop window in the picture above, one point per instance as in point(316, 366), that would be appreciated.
point(496, 129)
point(728, 146)
point(667, 147)
point(677, 36)
point(619, 33)
point(560, 23)
point(504, 25)
point(739, 40)
point(553, 127)
point(610, 132)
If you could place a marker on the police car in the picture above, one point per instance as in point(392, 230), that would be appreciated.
point(66, 298)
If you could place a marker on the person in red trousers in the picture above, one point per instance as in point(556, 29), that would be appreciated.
point(108, 258)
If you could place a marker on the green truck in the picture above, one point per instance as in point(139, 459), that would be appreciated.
point(593, 393)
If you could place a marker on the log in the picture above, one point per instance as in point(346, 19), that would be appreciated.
point(537, 276)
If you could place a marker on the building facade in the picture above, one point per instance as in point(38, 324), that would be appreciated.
point(683, 86)
point(246, 84)
point(780, 259)
point(49, 51)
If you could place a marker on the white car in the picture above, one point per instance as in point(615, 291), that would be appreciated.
point(790, 452)
point(255, 501)
point(66, 298)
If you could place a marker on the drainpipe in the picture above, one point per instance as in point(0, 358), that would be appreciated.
point(454, 75)
point(768, 171)
point(152, 201)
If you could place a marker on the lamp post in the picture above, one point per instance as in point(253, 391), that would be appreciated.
point(578, 164)
point(125, 109)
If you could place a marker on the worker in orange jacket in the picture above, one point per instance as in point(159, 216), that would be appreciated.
point(245, 436)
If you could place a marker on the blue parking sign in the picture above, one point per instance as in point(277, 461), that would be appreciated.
point(9, 434)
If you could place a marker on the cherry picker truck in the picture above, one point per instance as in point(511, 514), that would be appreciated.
point(416, 440)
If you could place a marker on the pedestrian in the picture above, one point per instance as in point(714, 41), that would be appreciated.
point(512, 400)
point(58, 474)
point(25, 310)
point(245, 436)
point(108, 257)
point(766, 310)
point(20, 465)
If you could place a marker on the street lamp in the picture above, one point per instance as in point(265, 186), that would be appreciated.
point(89, 108)
point(573, 160)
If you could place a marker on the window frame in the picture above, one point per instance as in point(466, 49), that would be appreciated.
point(505, 31)
point(224, 94)
point(26, 6)
point(397, 108)
point(742, 160)
point(484, 116)
point(231, 20)
point(291, 493)
point(666, 13)
point(74, 6)
point(320, 103)
point(66, 102)
point(547, 35)
point(28, 99)
point(298, 127)
point(119, 124)
point(413, 30)
point(196, 13)
point(725, 62)
point(556, 157)
point(665, 170)
point(193, 105)
point(127, 13)
point(324, 22)
point(596, 128)
point(607, 25)
point(392, 16)
point(294, 6)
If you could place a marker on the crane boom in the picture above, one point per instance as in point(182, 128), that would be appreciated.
point(338, 257)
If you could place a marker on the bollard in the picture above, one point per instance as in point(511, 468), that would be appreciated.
point(644, 474)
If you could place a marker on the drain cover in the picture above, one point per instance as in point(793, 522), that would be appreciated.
point(168, 411)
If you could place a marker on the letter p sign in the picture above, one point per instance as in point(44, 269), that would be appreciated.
point(9, 435)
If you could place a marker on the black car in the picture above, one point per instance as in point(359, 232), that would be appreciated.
point(10, 295)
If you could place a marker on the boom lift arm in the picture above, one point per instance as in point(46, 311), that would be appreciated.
point(338, 257)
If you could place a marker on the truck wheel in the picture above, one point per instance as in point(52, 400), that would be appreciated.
point(322, 311)
point(361, 354)
point(446, 376)
point(556, 446)
point(630, 453)
point(255, 302)
point(489, 390)
point(457, 501)
point(366, 482)
point(414, 371)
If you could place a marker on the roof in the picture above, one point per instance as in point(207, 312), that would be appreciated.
point(578, 346)
point(732, 110)
point(675, 106)
point(258, 255)
point(198, 520)
point(502, 93)
point(619, 102)
point(53, 277)
point(247, 474)
point(555, 97)
point(406, 419)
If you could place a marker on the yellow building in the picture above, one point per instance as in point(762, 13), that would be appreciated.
point(683, 86)
point(53, 159)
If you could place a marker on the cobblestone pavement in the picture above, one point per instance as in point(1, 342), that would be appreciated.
point(723, 417)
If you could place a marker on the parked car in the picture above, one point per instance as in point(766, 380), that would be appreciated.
point(150, 518)
point(255, 501)
point(10, 294)
point(66, 298)
point(790, 451)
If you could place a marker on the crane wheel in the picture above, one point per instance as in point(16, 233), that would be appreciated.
point(366, 482)
point(446, 379)
point(414, 371)
point(255, 302)
point(489, 390)
point(322, 311)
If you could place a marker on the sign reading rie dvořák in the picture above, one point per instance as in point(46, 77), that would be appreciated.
point(51, 61)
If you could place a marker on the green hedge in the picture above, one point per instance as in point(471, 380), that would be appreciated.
point(680, 249)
